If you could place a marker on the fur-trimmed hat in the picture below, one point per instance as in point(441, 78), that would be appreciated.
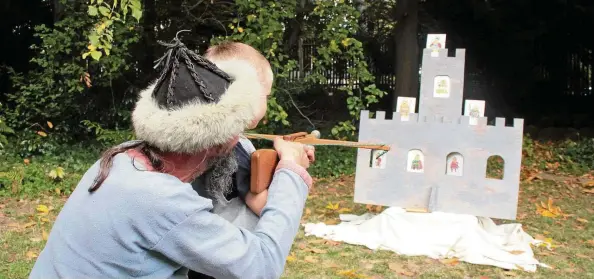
point(196, 104)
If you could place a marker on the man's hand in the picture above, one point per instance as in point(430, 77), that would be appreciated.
point(293, 151)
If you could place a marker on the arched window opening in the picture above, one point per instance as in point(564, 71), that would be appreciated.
point(415, 161)
point(495, 167)
point(454, 164)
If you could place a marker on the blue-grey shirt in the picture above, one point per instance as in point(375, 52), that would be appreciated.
point(146, 224)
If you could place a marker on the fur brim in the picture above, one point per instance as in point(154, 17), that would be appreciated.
point(196, 126)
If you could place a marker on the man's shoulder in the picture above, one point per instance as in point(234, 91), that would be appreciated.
point(153, 189)
point(246, 144)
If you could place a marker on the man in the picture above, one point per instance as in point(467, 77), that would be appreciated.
point(134, 213)
point(233, 206)
point(239, 206)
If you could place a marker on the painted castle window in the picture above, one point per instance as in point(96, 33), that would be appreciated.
point(495, 167)
point(454, 164)
point(378, 159)
point(415, 161)
point(441, 87)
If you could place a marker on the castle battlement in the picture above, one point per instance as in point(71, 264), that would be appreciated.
point(442, 54)
point(380, 119)
point(438, 155)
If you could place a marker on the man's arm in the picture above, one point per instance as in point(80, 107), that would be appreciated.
point(208, 244)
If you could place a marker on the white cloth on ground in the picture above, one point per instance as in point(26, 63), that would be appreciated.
point(438, 235)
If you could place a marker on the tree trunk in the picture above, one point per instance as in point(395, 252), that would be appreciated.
point(406, 66)
point(149, 37)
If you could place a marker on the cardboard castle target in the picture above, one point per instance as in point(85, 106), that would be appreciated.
point(438, 157)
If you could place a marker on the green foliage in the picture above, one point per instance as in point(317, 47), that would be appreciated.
point(62, 80)
point(578, 155)
point(109, 16)
point(260, 25)
point(334, 25)
point(333, 161)
point(108, 137)
point(571, 157)
point(4, 131)
point(59, 173)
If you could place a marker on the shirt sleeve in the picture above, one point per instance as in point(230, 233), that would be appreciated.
point(206, 243)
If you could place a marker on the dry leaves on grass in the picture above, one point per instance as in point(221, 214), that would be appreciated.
point(43, 209)
point(310, 259)
point(450, 261)
point(336, 207)
point(351, 273)
point(31, 255)
point(291, 257)
point(548, 209)
point(400, 269)
point(374, 208)
point(589, 186)
point(581, 220)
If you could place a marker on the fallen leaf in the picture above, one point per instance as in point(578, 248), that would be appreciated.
point(591, 242)
point(331, 222)
point(351, 273)
point(343, 210)
point(398, 268)
point(41, 133)
point(591, 191)
point(50, 124)
point(42, 209)
point(35, 239)
point(30, 224)
point(332, 242)
point(368, 266)
point(44, 220)
point(302, 246)
point(548, 210)
point(26, 161)
point(589, 183)
point(31, 255)
point(582, 256)
point(317, 241)
point(310, 259)
point(317, 251)
point(510, 273)
point(57, 190)
point(307, 212)
point(450, 261)
point(44, 235)
point(291, 258)
point(516, 252)
point(581, 220)
point(332, 206)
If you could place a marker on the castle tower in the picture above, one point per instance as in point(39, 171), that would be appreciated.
point(442, 84)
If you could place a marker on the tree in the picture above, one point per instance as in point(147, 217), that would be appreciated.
point(406, 64)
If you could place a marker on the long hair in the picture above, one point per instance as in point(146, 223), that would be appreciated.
point(106, 161)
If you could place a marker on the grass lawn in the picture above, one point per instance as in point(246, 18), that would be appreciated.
point(24, 225)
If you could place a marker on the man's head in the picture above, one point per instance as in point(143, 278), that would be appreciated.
point(230, 51)
point(199, 106)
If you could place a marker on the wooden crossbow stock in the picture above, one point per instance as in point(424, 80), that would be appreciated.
point(264, 161)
